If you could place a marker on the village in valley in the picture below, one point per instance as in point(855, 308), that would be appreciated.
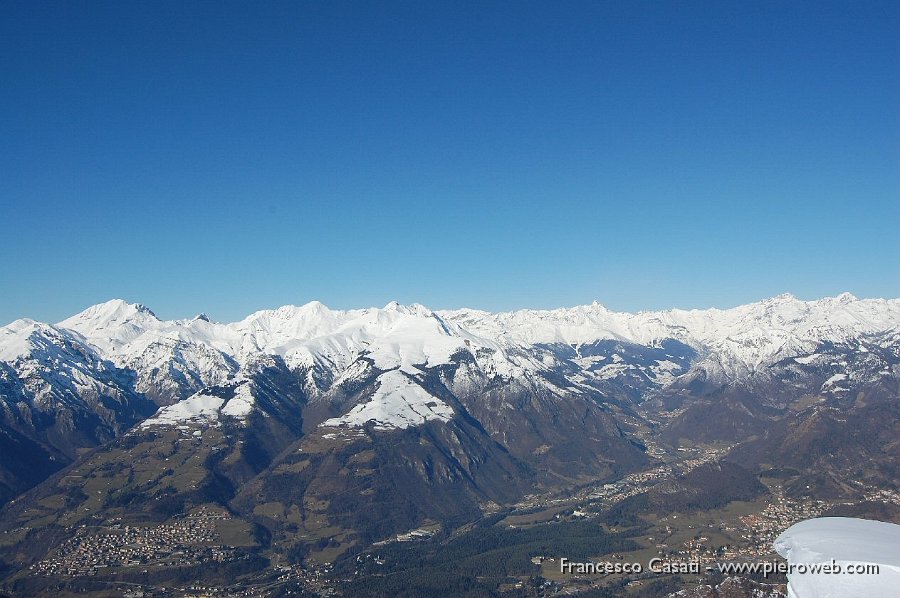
point(208, 536)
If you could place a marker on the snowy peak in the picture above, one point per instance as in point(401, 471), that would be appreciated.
point(115, 311)
point(413, 309)
point(30, 339)
point(846, 298)
point(111, 324)
point(783, 298)
point(15, 338)
point(315, 336)
point(749, 334)
point(731, 343)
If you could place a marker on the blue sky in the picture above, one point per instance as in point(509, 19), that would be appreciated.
point(227, 157)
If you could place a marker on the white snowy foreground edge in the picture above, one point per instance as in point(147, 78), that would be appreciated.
point(848, 545)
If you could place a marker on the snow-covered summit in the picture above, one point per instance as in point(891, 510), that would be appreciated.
point(16, 338)
point(393, 336)
point(115, 311)
point(112, 324)
point(732, 343)
point(29, 339)
point(749, 334)
point(52, 364)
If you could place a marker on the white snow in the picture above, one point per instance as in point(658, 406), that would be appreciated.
point(196, 408)
point(309, 335)
point(834, 380)
point(338, 346)
point(751, 334)
point(112, 324)
point(15, 339)
point(808, 359)
point(612, 370)
point(664, 371)
point(398, 402)
point(411, 337)
point(205, 408)
point(846, 542)
point(26, 338)
point(241, 404)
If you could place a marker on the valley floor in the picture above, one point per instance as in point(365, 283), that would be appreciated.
point(208, 552)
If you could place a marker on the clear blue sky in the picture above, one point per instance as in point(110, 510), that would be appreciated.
point(227, 157)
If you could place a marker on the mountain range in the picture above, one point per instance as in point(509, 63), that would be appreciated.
point(328, 429)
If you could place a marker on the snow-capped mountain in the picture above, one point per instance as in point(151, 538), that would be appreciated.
point(746, 337)
point(373, 422)
point(170, 359)
point(399, 366)
point(57, 395)
point(572, 350)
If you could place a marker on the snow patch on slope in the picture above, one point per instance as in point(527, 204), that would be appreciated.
point(197, 408)
point(241, 404)
point(835, 379)
point(397, 403)
point(204, 407)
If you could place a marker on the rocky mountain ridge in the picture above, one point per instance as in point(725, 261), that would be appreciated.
point(87, 379)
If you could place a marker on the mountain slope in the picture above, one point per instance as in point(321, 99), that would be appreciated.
point(527, 377)
point(57, 395)
point(328, 430)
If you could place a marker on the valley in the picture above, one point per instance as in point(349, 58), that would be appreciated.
point(361, 452)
